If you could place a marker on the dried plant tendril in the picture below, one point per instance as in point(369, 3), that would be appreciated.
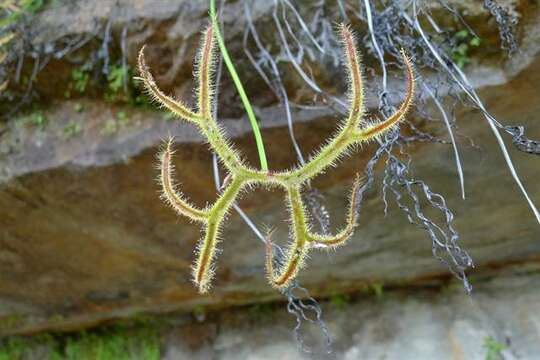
point(507, 25)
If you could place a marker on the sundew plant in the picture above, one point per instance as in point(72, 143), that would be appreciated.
point(413, 64)
point(396, 38)
point(353, 131)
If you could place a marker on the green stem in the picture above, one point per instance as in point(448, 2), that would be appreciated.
point(239, 87)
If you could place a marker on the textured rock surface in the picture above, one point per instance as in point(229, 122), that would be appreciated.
point(171, 31)
point(427, 325)
point(415, 324)
point(84, 237)
point(81, 244)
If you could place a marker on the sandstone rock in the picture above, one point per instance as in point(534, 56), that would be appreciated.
point(417, 323)
point(397, 325)
point(84, 237)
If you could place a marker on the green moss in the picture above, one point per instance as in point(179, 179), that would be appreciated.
point(18, 347)
point(122, 117)
point(110, 343)
point(118, 75)
point(465, 42)
point(110, 127)
point(78, 107)
point(340, 301)
point(493, 348)
point(113, 345)
point(12, 349)
point(80, 78)
point(38, 119)
point(34, 118)
point(261, 310)
point(72, 129)
point(122, 87)
point(23, 7)
point(378, 289)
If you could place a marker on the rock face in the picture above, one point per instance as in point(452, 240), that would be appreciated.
point(421, 323)
point(427, 325)
point(84, 237)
